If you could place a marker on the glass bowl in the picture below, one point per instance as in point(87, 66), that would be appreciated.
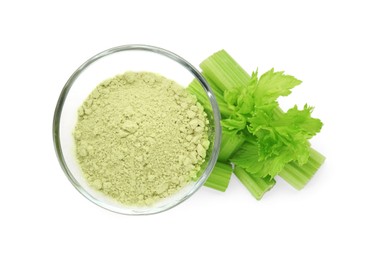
point(108, 64)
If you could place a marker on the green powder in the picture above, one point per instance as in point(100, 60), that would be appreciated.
point(140, 137)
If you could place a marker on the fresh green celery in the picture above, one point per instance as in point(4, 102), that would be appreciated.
point(241, 100)
point(220, 176)
point(195, 88)
point(224, 71)
point(256, 186)
point(230, 143)
point(216, 89)
point(299, 175)
point(225, 111)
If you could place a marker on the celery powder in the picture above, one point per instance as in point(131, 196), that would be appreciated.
point(140, 137)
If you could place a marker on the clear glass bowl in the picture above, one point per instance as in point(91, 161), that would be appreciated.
point(105, 65)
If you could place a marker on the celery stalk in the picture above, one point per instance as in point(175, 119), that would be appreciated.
point(225, 111)
point(299, 175)
point(256, 186)
point(216, 89)
point(220, 176)
point(224, 71)
point(196, 89)
point(230, 143)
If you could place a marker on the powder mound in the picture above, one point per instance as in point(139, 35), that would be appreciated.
point(140, 137)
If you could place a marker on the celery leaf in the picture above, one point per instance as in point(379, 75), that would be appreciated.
point(272, 85)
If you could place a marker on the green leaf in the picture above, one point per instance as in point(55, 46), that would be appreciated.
point(299, 121)
point(230, 96)
point(272, 85)
point(237, 122)
point(273, 166)
point(262, 118)
point(245, 103)
point(247, 157)
point(280, 138)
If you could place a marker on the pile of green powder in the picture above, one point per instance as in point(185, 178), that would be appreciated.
point(140, 137)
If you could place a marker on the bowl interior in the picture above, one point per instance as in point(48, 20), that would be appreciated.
point(106, 65)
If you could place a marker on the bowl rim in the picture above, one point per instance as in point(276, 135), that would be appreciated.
point(145, 48)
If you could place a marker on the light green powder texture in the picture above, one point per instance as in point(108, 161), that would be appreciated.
point(140, 137)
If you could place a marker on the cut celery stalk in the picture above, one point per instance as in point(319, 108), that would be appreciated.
point(230, 143)
point(220, 176)
point(299, 175)
point(224, 71)
point(225, 111)
point(196, 89)
point(256, 186)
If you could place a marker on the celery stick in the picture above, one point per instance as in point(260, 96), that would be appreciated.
point(230, 143)
point(224, 71)
point(220, 176)
point(195, 88)
point(221, 70)
point(216, 89)
point(225, 111)
point(256, 186)
point(299, 175)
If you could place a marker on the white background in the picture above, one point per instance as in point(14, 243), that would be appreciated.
point(335, 47)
